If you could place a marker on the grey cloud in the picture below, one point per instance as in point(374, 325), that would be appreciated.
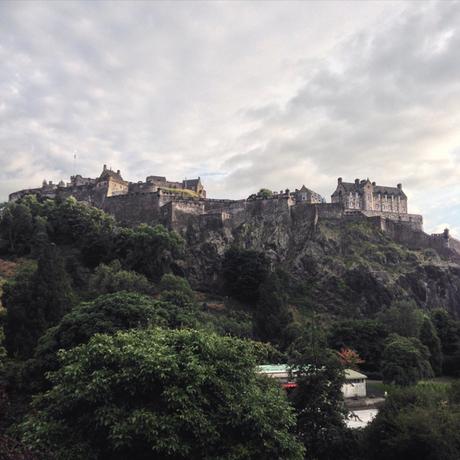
point(265, 94)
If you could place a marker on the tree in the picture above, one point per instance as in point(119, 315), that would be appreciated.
point(53, 293)
point(162, 394)
point(429, 338)
point(243, 272)
point(112, 278)
point(21, 318)
point(405, 361)
point(106, 314)
point(265, 193)
point(403, 318)
point(16, 227)
point(367, 337)
point(148, 250)
point(350, 358)
point(415, 423)
point(271, 316)
point(448, 331)
point(318, 398)
point(36, 300)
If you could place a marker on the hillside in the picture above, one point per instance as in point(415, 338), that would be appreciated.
point(337, 266)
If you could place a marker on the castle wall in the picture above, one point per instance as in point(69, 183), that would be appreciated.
point(88, 193)
point(177, 215)
point(227, 205)
point(310, 212)
point(280, 207)
point(134, 209)
point(415, 221)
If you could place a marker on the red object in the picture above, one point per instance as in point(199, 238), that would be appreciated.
point(289, 385)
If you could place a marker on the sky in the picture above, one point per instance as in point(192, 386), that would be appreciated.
point(243, 94)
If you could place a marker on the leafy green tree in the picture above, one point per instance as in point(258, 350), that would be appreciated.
point(16, 227)
point(429, 338)
point(403, 318)
point(318, 398)
point(53, 294)
point(35, 301)
point(448, 331)
point(416, 423)
point(367, 337)
point(265, 193)
point(148, 250)
point(271, 315)
point(21, 319)
point(170, 282)
point(405, 361)
point(112, 278)
point(244, 270)
point(107, 314)
point(162, 394)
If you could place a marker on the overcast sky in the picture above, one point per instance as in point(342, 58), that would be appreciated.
point(245, 95)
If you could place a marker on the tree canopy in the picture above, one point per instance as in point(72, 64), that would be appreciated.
point(171, 394)
point(405, 361)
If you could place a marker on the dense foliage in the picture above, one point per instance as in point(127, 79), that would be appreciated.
point(167, 394)
point(169, 378)
point(36, 300)
point(147, 250)
point(405, 361)
point(416, 423)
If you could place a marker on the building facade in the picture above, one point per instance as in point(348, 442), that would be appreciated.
point(364, 195)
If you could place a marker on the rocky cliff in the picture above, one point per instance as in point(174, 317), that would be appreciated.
point(339, 266)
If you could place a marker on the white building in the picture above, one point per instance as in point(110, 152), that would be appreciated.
point(354, 386)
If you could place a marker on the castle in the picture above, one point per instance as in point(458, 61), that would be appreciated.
point(184, 206)
point(175, 204)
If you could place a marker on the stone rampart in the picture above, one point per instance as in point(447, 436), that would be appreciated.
point(269, 207)
point(177, 215)
point(134, 209)
point(415, 221)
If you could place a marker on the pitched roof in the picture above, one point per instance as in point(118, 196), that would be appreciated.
point(308, 190)
point(109, 173)
point(388, 190)
point(352, 374)
point(273, 368)
point(382, 189)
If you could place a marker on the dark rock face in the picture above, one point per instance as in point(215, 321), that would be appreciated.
point(334, 265)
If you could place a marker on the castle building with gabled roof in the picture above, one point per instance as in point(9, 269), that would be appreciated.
point(364, 195)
